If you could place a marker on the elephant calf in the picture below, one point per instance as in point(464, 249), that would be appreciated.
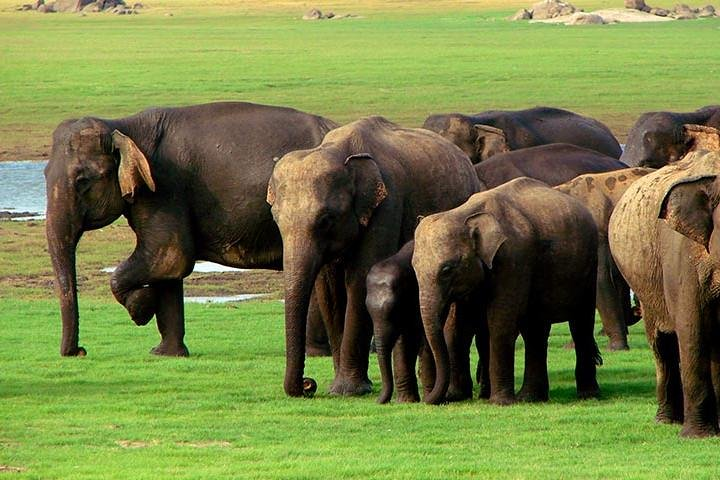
point(664, 236)
point(599, 193)
point(553, 164)
point(392, 300)
point(528, 254)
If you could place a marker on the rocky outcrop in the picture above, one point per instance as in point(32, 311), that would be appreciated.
point(117, 7)
point(522, 14)
point(551, 9)
point(315, 14)
point(680, 12)
point(582, 18)
point(637, 5)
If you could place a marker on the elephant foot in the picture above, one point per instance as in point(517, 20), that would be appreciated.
point(408, 397)
point(591, 391)
point(455, 394)
point(484, 392)
point(502, 400)
point(667, 415)
point(530, 396)
point(76, 351)
point(140, 304)
point(618, 345)
point(350, 387)
point(698, 431)
point(167, 350)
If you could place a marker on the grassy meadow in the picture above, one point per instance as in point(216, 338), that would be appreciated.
point(120, 413)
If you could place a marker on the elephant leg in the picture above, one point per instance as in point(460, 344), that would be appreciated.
point(502, 369)
point(715, 369)
point(404, 358)
point(535, 387)
point(700, 408)
point(482, 372)
point(330, 298)
point(316, 338)
point(458, 337)
point(613, 300)
point(667, 371)
point(170, 312)
point(351, 378)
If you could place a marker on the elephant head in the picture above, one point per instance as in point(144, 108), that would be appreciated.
point(478, 141)
point(321, 200)
point(93, 171)
point(451, 260)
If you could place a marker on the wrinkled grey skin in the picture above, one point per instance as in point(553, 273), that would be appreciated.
point(191, 181)
point(665, 238)
point(353, 201)
point(489, 133)
point(528, 255)
point(657, 138)
point(392, 301)
point(553, 164)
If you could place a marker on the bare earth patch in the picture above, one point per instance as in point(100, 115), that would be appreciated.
point(9, 469)
point(206, 444)
point(614, 15)
point(136, 443)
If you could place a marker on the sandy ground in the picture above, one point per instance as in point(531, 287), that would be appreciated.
point(614, 15)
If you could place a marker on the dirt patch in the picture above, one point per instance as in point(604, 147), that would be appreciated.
point(9, 469)
point(137, 443)
point(614, 15)
point(206, 444)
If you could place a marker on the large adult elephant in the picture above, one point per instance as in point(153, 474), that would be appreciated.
point(485, 134)
point(353, 201)
point(527, 253)
point(659, 138)
point(191, 182)
point(664, 238)
point(599, 192)
point(553, 164)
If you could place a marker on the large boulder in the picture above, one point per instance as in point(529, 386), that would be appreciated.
point(684, 12)
point(660, 12)
point(522, 14)
point(70, 5)
point(582, 18)
point(637, 5)
point(707, 11)
point(313, 14)
point(551, 9)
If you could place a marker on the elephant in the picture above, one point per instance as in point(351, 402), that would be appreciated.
point(658, 138)
point(392, 301)
point(528, 255)
point(485, 134)
point(353, 201)
point(191, 182)
point(664, 238)
point(553, 164)
point(599, 192)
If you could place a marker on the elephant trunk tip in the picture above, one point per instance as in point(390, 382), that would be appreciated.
point(435, 397)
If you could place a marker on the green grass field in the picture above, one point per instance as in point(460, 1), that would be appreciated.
point(120, 413)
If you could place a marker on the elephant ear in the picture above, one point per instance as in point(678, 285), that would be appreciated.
point(701, 137)
point(134, 168)
point(487, 235)
point(687, 209)
point(370, 190)
point(490, 141)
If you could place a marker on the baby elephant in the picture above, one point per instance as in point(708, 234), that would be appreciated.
point(392, 300)
point(528, 255)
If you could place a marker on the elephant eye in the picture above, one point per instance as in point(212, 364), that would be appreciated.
point(447, 269)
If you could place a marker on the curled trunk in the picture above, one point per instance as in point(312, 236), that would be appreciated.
point(384, 343)
point(301, 266)
point(433, 313)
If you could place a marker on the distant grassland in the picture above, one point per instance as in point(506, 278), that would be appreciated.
point(403, 60)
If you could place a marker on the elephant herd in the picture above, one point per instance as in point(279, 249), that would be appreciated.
point(484, 227)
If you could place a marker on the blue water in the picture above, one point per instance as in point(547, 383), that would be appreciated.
point(22, 187)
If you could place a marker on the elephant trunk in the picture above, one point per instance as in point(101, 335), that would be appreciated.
point(301, 266)
point(385, 339)
point(63, 233)
point(434, 312)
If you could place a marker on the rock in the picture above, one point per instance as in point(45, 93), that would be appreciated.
point(660, 12)
point(313, 14)
point(521, 14)
point(684, 16)
point(551, 9)
point(582, 18)
point(70, 5)
point(707, 11)
point(24, 7)
point(330, 15)
point(47, 8)
point(637, 5)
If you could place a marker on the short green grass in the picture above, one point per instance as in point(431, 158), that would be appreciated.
point(121, 413)
point(404, 63)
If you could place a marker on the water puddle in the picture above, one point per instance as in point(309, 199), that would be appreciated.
point(200, 267)
point(232, 298)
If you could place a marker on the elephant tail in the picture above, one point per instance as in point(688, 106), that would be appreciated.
point(597, 356)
